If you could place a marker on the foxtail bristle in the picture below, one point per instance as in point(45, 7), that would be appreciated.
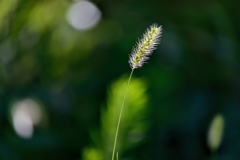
point(145, 46)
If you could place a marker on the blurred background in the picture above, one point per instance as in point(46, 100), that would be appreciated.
point(63, 73)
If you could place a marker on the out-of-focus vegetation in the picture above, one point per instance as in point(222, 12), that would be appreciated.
point(134, 123)
point(216, 132)
point(61, 63)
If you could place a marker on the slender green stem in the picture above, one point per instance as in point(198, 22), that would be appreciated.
point(120, 116)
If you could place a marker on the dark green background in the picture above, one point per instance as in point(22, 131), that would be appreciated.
point(193, 75)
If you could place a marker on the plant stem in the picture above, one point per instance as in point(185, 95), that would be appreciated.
point(120, 116)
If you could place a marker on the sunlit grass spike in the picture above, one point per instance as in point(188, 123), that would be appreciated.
point(145, 46)
point(140, 53)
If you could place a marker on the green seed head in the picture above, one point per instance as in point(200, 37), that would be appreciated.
point(145, 46)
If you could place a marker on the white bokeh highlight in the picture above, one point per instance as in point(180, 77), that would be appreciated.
point(25, 114)
point(83, 15)
point(23, 124)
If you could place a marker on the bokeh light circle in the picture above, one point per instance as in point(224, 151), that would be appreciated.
point(83, 15)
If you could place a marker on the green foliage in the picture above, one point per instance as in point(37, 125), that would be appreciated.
point(92, 154)
point(134, 122)
point(5, 9)
point(192, 76)
point(216, 132)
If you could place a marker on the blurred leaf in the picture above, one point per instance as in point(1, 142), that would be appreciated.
point(5, 8)
point(45, 14)
point(216, 132)
point(92, 154)
point(133, 126)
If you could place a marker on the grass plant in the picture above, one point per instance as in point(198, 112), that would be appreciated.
point(140, 54)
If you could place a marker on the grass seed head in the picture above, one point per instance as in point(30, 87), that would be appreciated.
point(145, 46)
